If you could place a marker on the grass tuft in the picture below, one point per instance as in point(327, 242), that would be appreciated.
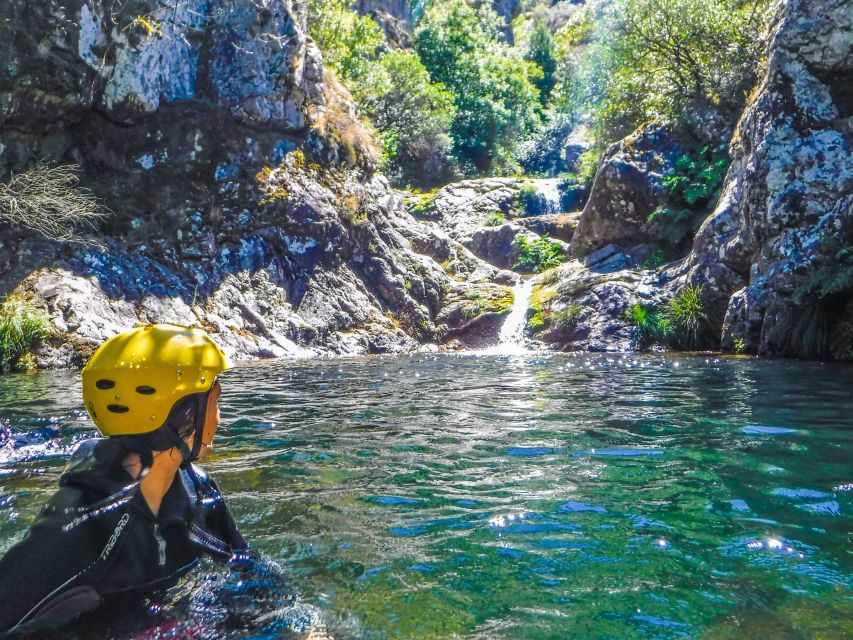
point(21, 326)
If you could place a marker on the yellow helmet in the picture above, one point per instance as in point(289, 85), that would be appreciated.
point(135, 378)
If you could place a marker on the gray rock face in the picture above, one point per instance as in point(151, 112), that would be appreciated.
point(626, 189)
point(250, 57)
point(467, 210)
point(555, 225)
point(241, 187)
point(395, 18)
point(583, 306)
point(464, 206)
point(777, 249)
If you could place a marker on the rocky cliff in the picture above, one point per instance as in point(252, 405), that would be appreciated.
point(778, 249)
point(775, 256)
point(241, 186)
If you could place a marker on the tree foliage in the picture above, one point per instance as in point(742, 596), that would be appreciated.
point(412, 115)
point(350, 43)
point(21, 326)
point(540, 51)
point(664, 59)
point(497, 102)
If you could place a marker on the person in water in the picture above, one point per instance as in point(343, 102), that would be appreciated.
point(132, 513)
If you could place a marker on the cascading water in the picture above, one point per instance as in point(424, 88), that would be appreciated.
point(511, 339)
point(551, 194)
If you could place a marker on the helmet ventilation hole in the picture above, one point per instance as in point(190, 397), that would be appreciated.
point(117, 408)
point(105, 384)
point(145, 390)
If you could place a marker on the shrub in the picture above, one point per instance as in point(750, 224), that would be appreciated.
point(538, 255)
point(413, 117)
point(47, 199)
point(691, 186)
point(682, 324)
point(739, 345)
point(21, 326)
point(494, 219)
point(648, 324)
point(686, 317)
point(529, 201)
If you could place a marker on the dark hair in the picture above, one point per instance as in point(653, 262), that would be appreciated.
point(181, 421)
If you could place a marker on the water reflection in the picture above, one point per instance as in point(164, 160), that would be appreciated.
point(539, 496)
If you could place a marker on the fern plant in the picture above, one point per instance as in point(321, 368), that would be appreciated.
point(691, 187)
point(538, 255)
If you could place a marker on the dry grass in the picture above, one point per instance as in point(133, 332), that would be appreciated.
point(47, 199)
point(338, 122)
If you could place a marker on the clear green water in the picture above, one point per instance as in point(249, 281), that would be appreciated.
point(508, 497)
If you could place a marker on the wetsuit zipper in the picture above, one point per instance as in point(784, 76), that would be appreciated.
point(161, 545)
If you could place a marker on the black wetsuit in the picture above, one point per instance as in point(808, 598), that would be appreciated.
point(97, 540)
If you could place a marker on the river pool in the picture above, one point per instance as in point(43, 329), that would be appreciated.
point(487, 496)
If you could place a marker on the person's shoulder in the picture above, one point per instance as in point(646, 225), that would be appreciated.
point(84, 458)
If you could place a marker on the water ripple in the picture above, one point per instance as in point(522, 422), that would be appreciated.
point(547, 496)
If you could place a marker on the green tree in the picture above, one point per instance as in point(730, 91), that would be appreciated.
point(663, 59)
point(350, 43)
point(413, 116)
point(496, 99)
point(540, 51)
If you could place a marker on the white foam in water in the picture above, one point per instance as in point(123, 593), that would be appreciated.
point(548, 189)
point(511, 339)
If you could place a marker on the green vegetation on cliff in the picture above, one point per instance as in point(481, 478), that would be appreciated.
point(538, 255)
point(466, 102)
point(668, 60)
point(682, 323)
point(21, 326)
point(692, 186)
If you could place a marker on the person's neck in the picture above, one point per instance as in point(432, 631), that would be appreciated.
point(158, 478)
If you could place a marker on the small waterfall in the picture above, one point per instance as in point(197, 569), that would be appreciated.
point(551, 194)
point(511, 339)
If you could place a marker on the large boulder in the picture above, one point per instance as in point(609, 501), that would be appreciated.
point(555, 225)
point(627, 188)
point(776, 251)
point(584, 305)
